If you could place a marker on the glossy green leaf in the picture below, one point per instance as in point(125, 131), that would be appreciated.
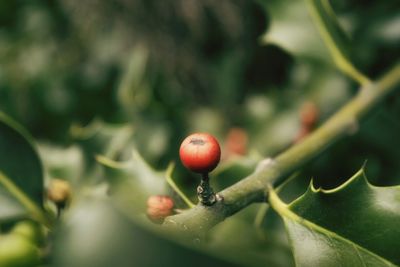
point(355, 224)
point(310, 29)
point(334, 38)
point(20, 163)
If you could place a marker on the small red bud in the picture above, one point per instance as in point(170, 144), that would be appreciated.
point(200, 152)
point(159, 207)
point(309, 115)
point(236, 142)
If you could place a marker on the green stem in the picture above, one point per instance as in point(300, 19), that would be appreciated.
point(274, 171)
point(34, 210)
point(262, 212)
point(173, 185)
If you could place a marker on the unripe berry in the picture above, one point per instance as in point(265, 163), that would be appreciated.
point(30, 230)
point(16, 250)
point(159, 207)
point(59, 192)
point(200, 152)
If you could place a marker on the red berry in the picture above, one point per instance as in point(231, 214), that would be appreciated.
point(200, 152)
point(159, 207)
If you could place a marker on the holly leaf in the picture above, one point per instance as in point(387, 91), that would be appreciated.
point(238, 239)
point(133, 181)
point(20, 165)
point(292, 29)
point(355, 224)
point(95, 233)
point(66, 163)
point(10, 208)
point(99, 137)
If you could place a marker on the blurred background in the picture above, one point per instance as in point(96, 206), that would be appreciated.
point(173, 67)
point(105, 77)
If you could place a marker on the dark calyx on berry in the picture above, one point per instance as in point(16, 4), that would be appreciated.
point(197, 141)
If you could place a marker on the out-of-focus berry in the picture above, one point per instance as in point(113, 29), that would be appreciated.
point(59, 191)
point(159, 207)
point(236, 142)
point(309, 114)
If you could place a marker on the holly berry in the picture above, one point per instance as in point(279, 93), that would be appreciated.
point(200, 152)
point(159, 207)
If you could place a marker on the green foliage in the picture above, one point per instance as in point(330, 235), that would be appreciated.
point(18, 248)
point(250, 245)
point(10, 207)
point(109, 90)
point(292, 29)
point(133, 181)
point(18, 251)
point(354, 224)
point(95, 234)
point(19, 162)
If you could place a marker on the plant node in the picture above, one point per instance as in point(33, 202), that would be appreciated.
point(205, 193)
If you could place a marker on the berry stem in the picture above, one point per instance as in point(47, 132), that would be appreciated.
point(58, 211)
point(205, 193)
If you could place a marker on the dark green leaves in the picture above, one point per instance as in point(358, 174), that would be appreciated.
point(10, 208)
point(355, 224)
point(334, 38)
point(20, 164)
